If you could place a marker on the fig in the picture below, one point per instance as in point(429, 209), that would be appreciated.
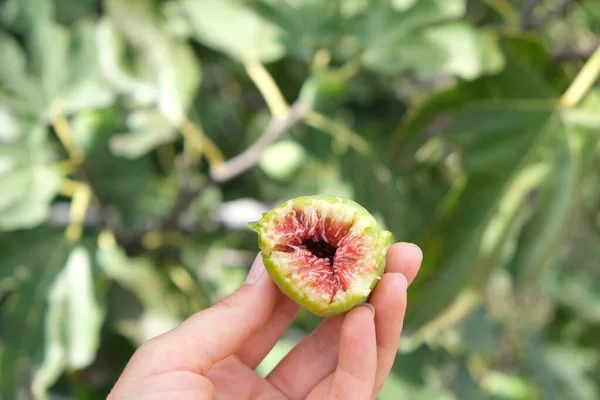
point(325, 90)
point(326, 253)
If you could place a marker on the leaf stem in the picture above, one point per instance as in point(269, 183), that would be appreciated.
point(66, 167)
point(79, 205)
point(583, 82)
point(195, 135)
point(68, 187)
point(278, 106)
point(64, 133)
point(337, 129)
point(505, 9)
point(350, 69)
point(81, 192)
point(267, 87)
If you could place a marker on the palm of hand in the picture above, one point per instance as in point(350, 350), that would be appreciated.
point(213, 354)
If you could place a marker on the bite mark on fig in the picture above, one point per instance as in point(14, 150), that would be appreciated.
point(325, 252)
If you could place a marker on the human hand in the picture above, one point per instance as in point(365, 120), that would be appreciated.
point(213, 353)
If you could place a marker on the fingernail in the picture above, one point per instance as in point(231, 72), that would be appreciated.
point(401, 278)
point(404, 280)
point(255, 272)
point(419, 249)
point(370, 307)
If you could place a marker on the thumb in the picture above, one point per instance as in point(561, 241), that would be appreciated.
point(211, 335)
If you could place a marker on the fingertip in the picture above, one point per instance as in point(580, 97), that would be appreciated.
point(358, 321)
point(370, 307)
point(404, 258)
point(257, 270)
point(398, 281)
point(389, 298)
point(357, 336)
point(357, 362)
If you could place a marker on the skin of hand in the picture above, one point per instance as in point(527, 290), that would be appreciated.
point(213, 354)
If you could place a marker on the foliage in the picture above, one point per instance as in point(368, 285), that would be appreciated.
point(138, 139)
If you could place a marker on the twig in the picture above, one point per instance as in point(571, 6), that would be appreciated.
point(336, 129)
point(276, 127)
point(583, 82)
point(195, 135)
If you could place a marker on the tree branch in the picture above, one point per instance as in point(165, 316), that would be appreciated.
point(220, 173)
point(276, 127)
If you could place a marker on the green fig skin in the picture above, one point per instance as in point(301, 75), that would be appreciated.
point(363, 227)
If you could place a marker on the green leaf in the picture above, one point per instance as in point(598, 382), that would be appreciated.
point(178, 81)
point(21, 15)
point(376, 188)
point(547, 364)
point(234, 29)
point(305, 26)
point(398, 388)
point(139, 276)
point(37, 264)
point(131, 188)
point(111, 52)
point(28, 179)
point(467, 240)
point(73, 322)
point(541, 236)
point(578, 290)
point(526, 75)
point(71, 11)
point(399, 39)
point(13, 75)
point(48, 48)
point(455, 48)
point(148, 130)
point(85, 87)
point(167, 63)
point(494, 127)
point(60, 66)
point(505, 386)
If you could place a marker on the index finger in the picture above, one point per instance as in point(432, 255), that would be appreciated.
point(211, 335)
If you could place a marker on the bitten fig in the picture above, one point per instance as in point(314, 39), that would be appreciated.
point(324, 252)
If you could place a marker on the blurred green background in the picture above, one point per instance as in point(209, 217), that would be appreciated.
point(138, 138)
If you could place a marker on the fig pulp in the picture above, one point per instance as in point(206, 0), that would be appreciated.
point(324, 252)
